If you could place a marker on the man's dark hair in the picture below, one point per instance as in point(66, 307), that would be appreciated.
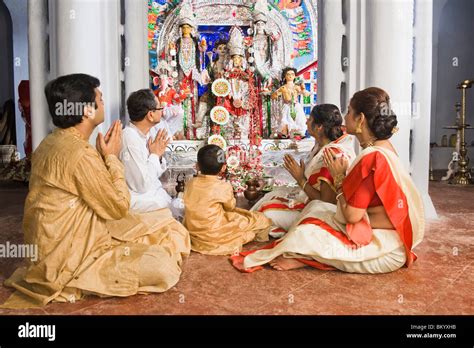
point(210, 158)
point(139, 103)
point(68, 95)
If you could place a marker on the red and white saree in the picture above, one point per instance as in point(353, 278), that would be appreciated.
point(322, 239)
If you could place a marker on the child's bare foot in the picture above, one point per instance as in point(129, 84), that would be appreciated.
point(284, 264)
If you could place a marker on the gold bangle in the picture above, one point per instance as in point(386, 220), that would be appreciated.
point(338, 179)
point(302, 186)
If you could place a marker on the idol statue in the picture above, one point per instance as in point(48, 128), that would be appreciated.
point(214, 70)
point(185, 60)
point(293, 121)
point(264, 44)
point(242, 100)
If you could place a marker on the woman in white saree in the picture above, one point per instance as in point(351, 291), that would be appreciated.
point(285, 204)
point(379, 216)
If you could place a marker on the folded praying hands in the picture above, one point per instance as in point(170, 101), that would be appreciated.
point(112, 142)
point(336, 165)
point(158, 146)
point(296, 170)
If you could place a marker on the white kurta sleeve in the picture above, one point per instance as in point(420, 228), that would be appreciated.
point(141, 169)
point(163, 165)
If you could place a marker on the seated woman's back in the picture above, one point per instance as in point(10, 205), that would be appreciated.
point(373, 167)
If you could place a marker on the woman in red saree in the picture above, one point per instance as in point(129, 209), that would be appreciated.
point(314, 180)
point(379, 217)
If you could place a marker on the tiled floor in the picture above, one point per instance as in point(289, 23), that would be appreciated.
point(441, 281)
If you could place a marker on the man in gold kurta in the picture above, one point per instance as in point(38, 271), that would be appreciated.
point(216, 226)
point(77, 213)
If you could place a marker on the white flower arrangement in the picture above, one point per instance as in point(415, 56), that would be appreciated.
point(233, 161)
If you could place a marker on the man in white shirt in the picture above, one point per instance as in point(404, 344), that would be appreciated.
point(142, 153)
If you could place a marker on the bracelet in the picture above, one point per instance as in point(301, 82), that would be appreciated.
point(339, 195)
point(338, 179)
point(302, 186)
point(305, 184)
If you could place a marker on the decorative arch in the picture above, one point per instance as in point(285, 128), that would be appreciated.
point(296, 21)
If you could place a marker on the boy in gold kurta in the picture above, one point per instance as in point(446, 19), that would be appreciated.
point(216, 226)
point(77, 213)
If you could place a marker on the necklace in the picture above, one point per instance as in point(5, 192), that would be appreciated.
point(186, 57)
point(368, 143)
point(236, 92)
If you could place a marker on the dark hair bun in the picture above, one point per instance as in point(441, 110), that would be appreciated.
point(374, 103)
point(329, 116)
point(383, 126)
point(334, 133)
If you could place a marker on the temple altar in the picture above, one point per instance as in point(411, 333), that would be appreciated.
point(181, 158)
point(218, 68)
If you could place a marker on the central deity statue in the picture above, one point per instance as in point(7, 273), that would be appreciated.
point(242, 99)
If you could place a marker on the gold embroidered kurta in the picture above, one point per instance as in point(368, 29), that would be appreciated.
point(216, 226)
point(76, 212)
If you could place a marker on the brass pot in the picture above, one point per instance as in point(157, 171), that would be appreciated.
point(252, 193)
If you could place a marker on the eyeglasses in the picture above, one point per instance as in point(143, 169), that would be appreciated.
point(156, 109)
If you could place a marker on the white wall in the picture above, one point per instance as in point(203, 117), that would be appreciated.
point(19, 13)
point(453, 25)
point(437, 9)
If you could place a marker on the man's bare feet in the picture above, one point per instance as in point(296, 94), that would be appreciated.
point(284, 264)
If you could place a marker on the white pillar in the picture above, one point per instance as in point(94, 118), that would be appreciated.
point(330, 33)
point(136, 46)
point(356, 47)
point(37, 53)
point(420, 149)
point(389, 43)
point(87, 40)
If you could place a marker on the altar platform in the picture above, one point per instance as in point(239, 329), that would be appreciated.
point(181, 157)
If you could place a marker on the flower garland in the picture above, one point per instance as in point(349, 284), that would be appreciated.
point(255, 130)
point(292, 107)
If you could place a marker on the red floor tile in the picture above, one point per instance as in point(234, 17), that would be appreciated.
point(439, 282)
